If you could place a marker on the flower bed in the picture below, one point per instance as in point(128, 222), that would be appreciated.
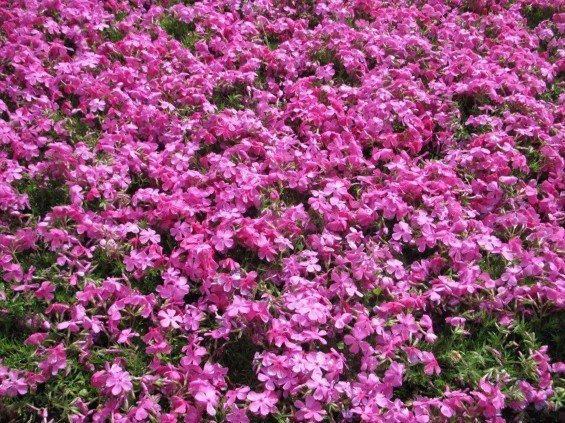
point(282, 210)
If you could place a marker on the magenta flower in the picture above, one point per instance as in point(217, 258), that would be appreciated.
point(298, 182)
point(36, 338)
point(97, 105)
point(45, 291)
point(262, 403)
point(125, 336)
point(118, 381)
point(149, 236)
point(223, 240)
point(169, 317)
point(14, 385)
point(208, 396)
point(310, 410)
point(237, 416)
point(402, 231)
point(56, 360)
point(137, 260)
point(431, 364)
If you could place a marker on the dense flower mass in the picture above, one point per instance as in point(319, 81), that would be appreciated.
point(282, 210)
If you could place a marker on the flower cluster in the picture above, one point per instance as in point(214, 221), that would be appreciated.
point(329, 210)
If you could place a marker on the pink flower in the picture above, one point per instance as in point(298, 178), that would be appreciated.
point(149, 236)
point(169, 317)
point(431, 365)
point(181, 230)
point(262, 403)
point(174, 289)
point(266, 250)
point(402, 231)
point(237, 416)
point(145, 408)
point(45, 291)
point(56, 360)
point(406, 326)
point(36, 338)
point(393, 375)
point(118, 380)
point(310, 410)
point(13, 272)
point(413, 354)
point(223, 240)
point(367, 172)
point(125, 336)
point(559, 367)
point(395, 267)
point(208, 396)
point(13, 385)
point(456, 321)
point(97, 105)
point(137, 260)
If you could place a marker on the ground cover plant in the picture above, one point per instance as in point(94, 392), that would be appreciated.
point(282, 210)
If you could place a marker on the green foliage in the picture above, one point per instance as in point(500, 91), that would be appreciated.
point(113, 34)
point(60, 392)
point(293, 197)
point(326, 56)
point(461, 132)
point(44, 261)
point(149, 282)
point(107, 265)
point(271, 41)
point(490, 350)
point(13, 332)
point(261, 79)
point(536, 15)
point(534, 159)
point(43, 197)
point(228, 96)
point(138, 181)
point(10, 103)
point(237, 356)
point(398, 127)
point(57, 395)
point(120, 16)
point(547, 329)
point(493, 264)
point(411, 254)
point(372, 298)
point(247, 259)
point(553, 91)
point(183, 32)
point(468, 105)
